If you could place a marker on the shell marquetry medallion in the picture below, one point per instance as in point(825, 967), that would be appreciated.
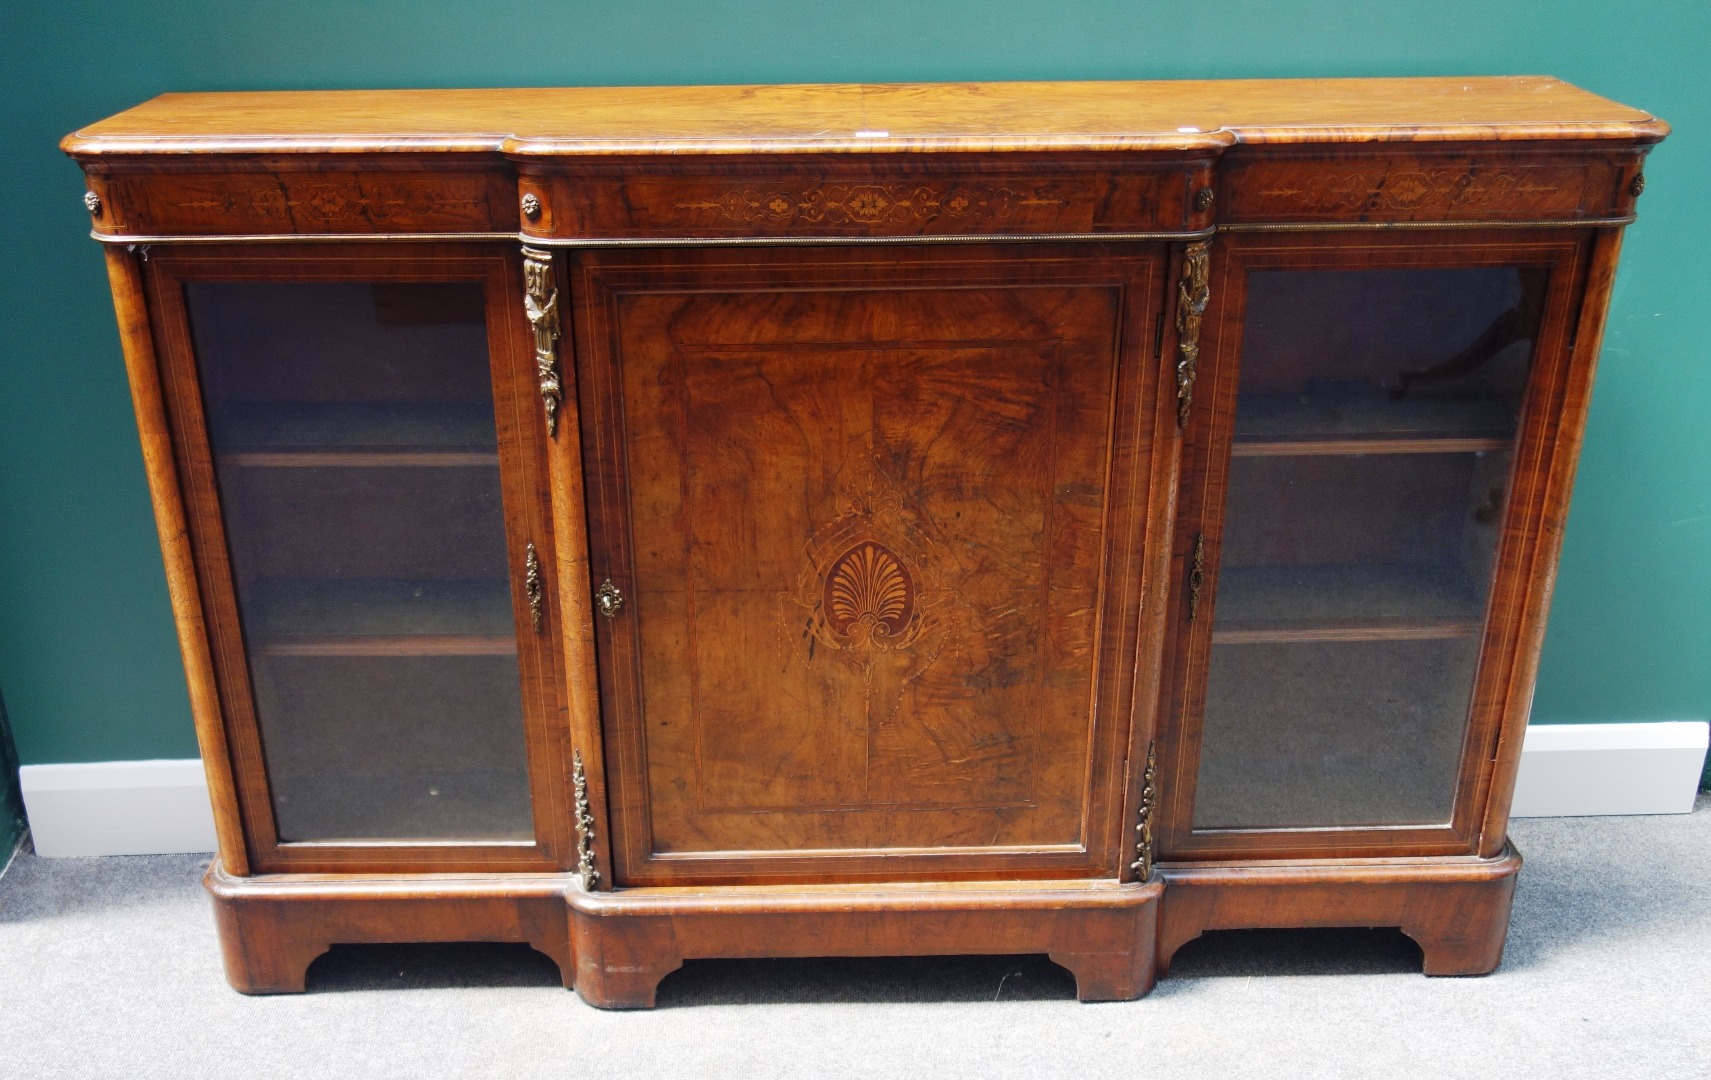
point(880, 626)
point(871, 584)
point(869, 599)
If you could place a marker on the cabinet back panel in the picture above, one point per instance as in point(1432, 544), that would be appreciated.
point(400, 747)
point(1343, 733)
point(339, 343)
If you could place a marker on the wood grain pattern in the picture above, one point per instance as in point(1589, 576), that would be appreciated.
point(863, 645)
point(832, 196)
point(172, 517)
point(625, 942)
point(356, 197)
point(689, 163)
point(1412, 184)
point(272, 928)
point(865, 119)
point(1557, 425)
point(1456, 910)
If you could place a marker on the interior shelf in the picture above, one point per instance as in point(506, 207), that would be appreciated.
point(1388, 445)
point(359, 436)
point(419, 458)
point(380, 618)
point(1263, 604)
point(1363, 418)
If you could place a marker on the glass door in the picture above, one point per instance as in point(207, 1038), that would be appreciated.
point(368, 465)
point(1354, 497)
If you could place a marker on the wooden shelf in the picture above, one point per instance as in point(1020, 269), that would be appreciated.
point(365, 458)
point(1365, 419)
point(1328, 447)
point(409, 645)
point(1374, 630)
point(1278, 604)
point(379, 618)
point(357, 436)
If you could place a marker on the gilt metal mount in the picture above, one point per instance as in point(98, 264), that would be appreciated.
point(1193, 292)
point(584, 825)
point(1143, 864)
point(1196, 575)
point(540, 300)
point(532, 587)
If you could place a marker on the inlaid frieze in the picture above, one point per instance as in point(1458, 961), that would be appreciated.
point(273, 203)
point(1414, 188)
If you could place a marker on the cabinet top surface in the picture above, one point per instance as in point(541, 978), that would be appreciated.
point(1204, 115)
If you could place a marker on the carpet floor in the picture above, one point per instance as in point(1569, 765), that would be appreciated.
point(108, 968)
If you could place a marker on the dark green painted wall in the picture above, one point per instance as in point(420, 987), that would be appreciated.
point(87, 655)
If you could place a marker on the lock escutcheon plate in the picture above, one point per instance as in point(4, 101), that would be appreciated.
point(608, 598)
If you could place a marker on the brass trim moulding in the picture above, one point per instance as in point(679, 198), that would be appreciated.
point(1345, 226)
point(298, 238)
point(670, 241)
point(762, 241)
point(805, 241)
point(388, 845)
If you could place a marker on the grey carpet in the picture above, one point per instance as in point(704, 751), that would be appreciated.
point(108, 968)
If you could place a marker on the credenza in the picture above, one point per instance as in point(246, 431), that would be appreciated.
point(676, 522)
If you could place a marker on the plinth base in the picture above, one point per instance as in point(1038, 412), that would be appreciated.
point(615, 947)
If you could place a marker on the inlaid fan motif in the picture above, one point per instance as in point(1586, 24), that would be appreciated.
point(868, 595)
point(872, 583)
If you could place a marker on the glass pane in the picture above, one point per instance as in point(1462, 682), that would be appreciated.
point(1375, 418)
point(355, 449)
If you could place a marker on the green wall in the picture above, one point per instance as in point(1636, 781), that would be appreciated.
point(87, 655)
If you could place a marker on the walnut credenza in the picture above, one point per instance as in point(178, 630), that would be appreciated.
point(855, 520)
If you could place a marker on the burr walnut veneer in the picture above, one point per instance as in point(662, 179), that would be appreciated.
point(657, 523)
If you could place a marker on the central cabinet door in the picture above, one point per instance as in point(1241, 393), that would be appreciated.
point(879, 519)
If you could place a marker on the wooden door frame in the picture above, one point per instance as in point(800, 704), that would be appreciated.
point(1123, 725)
point(1546, 445)
point(223, 664)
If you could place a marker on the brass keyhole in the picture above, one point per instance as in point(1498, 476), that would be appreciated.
point(609, 598)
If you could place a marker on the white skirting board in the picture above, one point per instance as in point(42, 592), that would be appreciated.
point(1580, 770)
point(118, 807)
point(161, 807)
